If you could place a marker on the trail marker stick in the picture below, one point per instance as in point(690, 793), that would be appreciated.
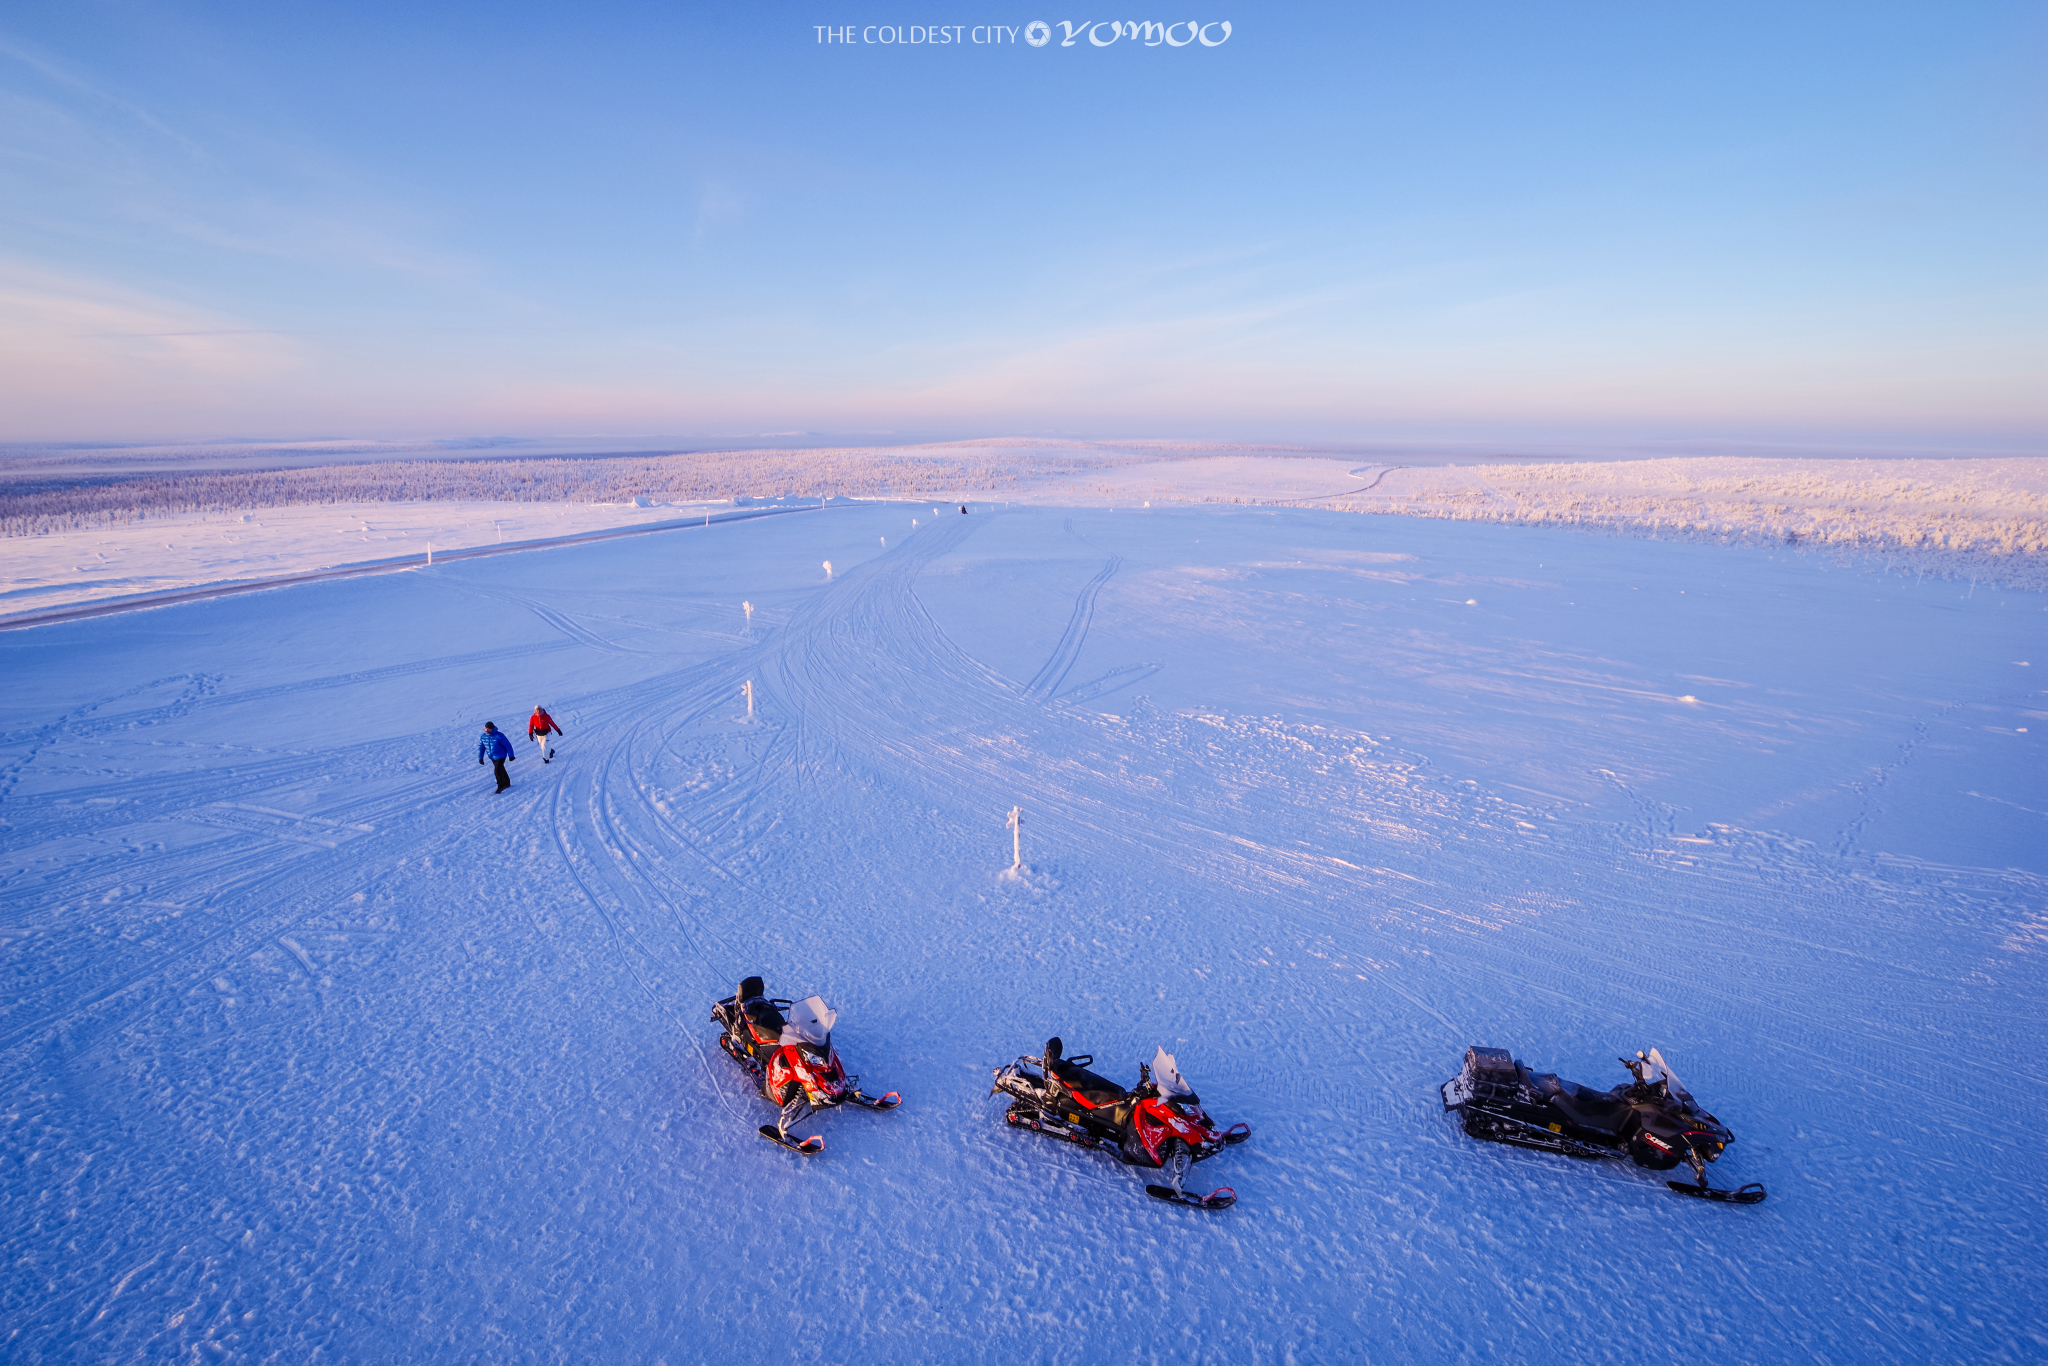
point(748, 689)
point(1016, 838)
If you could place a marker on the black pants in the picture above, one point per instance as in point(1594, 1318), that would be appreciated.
point(504, 778)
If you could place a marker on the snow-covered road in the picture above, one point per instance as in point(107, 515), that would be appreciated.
point(314, 1048)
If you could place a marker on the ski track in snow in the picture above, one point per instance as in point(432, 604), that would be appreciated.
point(315, 1047)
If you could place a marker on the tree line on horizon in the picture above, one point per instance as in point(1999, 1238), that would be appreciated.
point(42, 506)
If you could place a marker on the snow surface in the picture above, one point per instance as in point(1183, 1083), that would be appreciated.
point(315, 1049)
point(165, 553)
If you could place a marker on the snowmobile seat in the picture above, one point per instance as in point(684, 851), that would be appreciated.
point(1095, 1091)
point(1593, 1110)
point(764, 1020)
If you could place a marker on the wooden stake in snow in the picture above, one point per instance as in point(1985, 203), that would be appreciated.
point(1016, 838)
point(748, 689)
point(430, 552)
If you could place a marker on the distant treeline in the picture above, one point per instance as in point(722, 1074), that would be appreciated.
point(1983, 519)
point(41, 505)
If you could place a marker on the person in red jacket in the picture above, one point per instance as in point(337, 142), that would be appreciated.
point(538, 727)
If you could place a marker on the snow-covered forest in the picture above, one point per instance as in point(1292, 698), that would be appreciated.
point(1971, 517)
point(77, 537)
point(36, 503)
point(1985, 518)
point(1953, 516)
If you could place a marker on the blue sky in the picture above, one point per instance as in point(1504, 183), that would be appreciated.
point(1346, 223)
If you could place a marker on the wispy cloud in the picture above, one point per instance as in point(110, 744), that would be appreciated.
point(83, 161)
point(69, 80)
point(70, 347)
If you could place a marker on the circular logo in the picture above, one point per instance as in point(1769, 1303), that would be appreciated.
point(1038, 33)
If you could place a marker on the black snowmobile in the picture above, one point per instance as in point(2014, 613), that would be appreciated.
point(1652, 1118)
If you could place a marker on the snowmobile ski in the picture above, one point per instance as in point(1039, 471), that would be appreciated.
point(1751, 1194)
point(887, 1101)
point(809, 1147)
point(1223, 1197)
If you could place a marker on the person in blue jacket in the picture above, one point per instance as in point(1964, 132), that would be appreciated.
point(495, 747)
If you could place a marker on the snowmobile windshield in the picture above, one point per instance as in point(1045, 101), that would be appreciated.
point(1661, 1068)
point(1166, 1076)
point(810, 1022)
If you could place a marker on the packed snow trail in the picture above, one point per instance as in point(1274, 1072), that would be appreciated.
point(314, 1045)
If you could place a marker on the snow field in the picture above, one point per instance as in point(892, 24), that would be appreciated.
point(171, 551)
point(316, 1048)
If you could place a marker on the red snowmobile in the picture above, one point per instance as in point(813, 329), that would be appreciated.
point(1158, 1124)
point(791, 1058)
